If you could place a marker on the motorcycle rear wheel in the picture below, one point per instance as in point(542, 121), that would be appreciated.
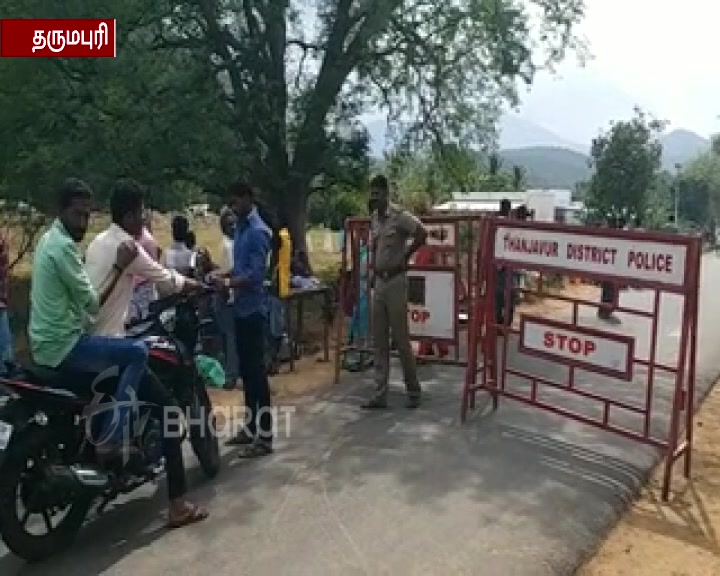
point(33, 447)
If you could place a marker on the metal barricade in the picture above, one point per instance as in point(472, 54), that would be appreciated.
point(441, 288)
point(576, 360)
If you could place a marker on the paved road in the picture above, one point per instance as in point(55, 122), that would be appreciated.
point(517, 492)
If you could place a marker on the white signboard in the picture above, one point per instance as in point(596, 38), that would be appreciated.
point(431, 304)
point(634, 259)
point(440, 234)
point(589, 349)
point(542, 203)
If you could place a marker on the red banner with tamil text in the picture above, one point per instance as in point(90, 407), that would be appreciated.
point(57, 38)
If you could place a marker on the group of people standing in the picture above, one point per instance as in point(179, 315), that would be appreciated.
point(79, 309)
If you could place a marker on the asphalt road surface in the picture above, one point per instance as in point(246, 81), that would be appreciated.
point(516, 492)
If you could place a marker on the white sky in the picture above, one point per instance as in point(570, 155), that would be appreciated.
point(660, 54)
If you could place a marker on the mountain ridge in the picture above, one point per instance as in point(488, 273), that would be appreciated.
point(551, 161)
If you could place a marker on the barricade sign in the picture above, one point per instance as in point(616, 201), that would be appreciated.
point(594, 350)
point(602, 363)
point(654, 262)
point(432, 306)
point(441, 289)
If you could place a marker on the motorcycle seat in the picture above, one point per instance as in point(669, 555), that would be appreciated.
point(29, 385)
point(61, 382)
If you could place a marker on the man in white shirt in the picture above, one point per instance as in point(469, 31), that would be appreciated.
point(127, 208)
point(179, 257)
point(112, 317)
point(223, 302)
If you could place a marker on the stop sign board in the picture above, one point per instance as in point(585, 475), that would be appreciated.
point(586, 348)
point(432, 304)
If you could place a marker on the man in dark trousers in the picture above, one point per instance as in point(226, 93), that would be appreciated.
point(501, 278)
point(251, 247)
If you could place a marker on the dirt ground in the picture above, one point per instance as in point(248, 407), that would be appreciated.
point(679, 538)
point(310, 377)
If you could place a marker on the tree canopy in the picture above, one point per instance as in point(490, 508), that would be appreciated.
point(627, 161)
point(204, 91)
point(699, 189)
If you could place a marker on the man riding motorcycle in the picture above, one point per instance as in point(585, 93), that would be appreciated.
point(127, 210)
point(63, 302)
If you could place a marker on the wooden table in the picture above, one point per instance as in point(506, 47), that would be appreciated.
point(297, 297)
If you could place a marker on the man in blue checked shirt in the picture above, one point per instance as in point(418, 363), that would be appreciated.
point(251, 247)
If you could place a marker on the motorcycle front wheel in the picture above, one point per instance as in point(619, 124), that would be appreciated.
point(22, 483)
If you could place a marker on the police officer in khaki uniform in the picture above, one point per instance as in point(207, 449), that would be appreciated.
point(396, 236)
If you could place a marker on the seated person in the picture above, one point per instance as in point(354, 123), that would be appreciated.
point(179, 257)
point(191, 243)
point(63, 302)
point(145, 292)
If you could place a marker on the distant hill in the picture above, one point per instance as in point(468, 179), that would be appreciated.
point(549, 159)
point(552, 166)
point(680, 146)
point(549, 167)
point(515, 131)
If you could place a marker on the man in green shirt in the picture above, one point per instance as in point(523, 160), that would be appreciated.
point(63, 303)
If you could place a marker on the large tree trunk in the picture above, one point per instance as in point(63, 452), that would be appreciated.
point(294, 211)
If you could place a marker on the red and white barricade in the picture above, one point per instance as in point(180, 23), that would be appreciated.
point(441, 288)
point(635, 378)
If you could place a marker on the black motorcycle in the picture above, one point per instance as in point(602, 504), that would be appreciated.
point(49, 474)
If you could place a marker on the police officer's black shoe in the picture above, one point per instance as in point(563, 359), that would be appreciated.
point(375, 404)
point(413, 403)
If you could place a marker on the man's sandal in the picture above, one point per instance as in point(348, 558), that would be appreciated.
point(193, 514)
point(255, 451)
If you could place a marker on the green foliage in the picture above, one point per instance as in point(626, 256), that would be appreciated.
point(548, 167)
point(716, 145)
point(626, 159)
point(427, 177)
point(203, 92)
point(699, 190)
point(156, 115)
point(330, 207)
point(659, 201)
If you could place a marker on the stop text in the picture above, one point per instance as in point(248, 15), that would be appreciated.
point(585, 348)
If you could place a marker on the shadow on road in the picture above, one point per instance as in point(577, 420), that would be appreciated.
point(341, 454)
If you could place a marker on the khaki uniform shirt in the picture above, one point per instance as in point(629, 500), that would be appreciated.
point(390, 236)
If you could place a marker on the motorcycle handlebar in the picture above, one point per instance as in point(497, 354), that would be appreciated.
point(161, 305)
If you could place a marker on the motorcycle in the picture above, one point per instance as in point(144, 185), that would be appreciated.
point(47, 456)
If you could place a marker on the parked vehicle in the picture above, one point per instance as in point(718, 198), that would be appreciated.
point(49, 476)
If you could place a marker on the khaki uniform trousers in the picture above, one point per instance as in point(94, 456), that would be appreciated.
point(389, 315)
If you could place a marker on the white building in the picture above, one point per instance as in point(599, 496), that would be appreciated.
point(479, 201)
point(548, 205)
